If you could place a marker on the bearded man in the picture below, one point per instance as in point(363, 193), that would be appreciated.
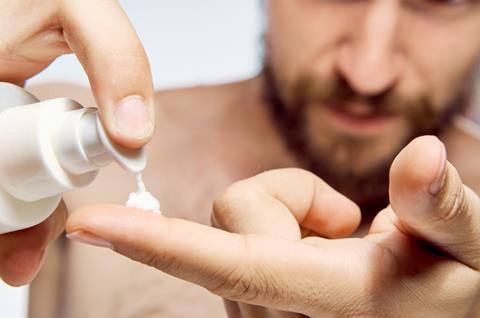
point(349, 173)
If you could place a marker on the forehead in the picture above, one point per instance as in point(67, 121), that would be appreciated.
point(444, 11)
point(436, 25)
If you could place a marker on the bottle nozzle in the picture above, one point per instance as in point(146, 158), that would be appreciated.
point(82, 145)
point(133, 160)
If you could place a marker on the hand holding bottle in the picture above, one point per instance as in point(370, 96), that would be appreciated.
point(33, 34)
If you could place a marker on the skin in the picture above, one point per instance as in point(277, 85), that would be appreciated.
point(423, 237)
point(388, 267)
point(172, 140)
point(206, 111)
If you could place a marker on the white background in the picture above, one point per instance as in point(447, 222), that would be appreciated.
point(188, 42)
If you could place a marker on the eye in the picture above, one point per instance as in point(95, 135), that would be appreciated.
point(450, 2)
point(444, 8)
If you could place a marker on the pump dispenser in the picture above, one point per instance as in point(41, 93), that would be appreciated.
point(49, 148)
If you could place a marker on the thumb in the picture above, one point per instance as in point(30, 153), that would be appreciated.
point(432, 203)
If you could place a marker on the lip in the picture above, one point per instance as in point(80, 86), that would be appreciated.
point(358, 124)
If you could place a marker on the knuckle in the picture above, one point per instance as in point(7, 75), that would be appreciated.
point(240, 283)
point(162, 259)
point(166, 264)
point(230, 204)
point(370, 299)
point(219, 212)
point(147, 257)
point(7, 50)
point(236, 285)
point(453, 204)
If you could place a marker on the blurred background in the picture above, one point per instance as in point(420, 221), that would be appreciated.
point(189, 42)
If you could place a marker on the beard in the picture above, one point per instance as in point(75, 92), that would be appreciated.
point(329, 155)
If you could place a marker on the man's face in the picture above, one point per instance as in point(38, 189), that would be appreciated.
point(360, 78)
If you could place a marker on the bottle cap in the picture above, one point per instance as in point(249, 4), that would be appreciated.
point(13, 95)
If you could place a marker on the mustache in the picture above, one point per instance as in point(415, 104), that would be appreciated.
point(338, 92)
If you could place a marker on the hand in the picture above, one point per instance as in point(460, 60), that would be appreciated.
point(420, 258)
point(33, 34)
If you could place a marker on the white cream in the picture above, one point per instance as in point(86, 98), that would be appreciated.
point(142, 199)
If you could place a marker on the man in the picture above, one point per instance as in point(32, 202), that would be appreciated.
point(346, 86)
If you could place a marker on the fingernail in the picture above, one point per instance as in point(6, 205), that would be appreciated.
point(90, 239)
point(439, 180)
point(131, 118)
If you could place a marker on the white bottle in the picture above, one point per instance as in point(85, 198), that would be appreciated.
point(48, 148)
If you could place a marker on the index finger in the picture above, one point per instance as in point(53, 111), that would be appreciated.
point(255, 269)
point(103, 39)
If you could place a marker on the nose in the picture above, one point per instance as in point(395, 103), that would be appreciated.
point(369, 57)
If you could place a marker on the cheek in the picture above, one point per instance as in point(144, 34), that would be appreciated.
point(444, 54)
point(302, 36)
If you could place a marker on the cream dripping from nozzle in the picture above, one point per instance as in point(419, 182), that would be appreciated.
point(142, 199)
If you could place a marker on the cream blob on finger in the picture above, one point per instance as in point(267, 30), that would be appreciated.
point(142, 199)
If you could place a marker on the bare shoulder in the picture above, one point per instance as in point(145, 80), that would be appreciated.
point(463, 146)
point(203, 103)
point(204, 115)
point(202, 143)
